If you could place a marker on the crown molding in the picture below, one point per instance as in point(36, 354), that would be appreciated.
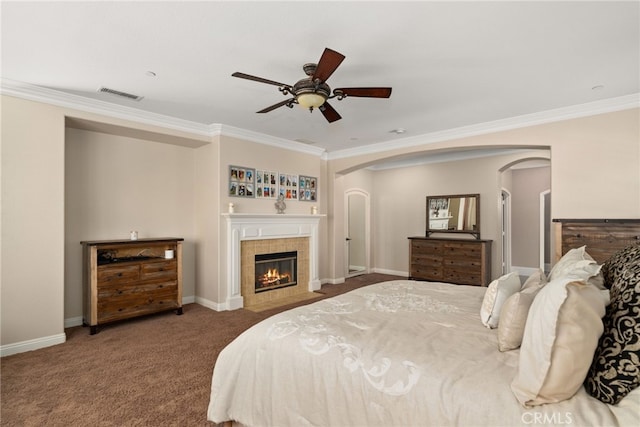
point(225, 130)
point(90, 105)
point(559, 114)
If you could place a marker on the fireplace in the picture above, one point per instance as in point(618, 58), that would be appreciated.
point(276, 270)
point(251, 234)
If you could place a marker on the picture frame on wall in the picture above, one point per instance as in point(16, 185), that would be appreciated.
point(266, 184)
point(308, 188)
point(288, 186)
point(241, 181)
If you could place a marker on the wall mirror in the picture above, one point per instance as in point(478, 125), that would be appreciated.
point(458, 213)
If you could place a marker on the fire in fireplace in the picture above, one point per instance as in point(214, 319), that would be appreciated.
point(276, 270)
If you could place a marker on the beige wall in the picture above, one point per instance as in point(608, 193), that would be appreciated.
point(237, 152)
point(527, 185)
point(32, 222)
point(115, 184)
point(207, 223)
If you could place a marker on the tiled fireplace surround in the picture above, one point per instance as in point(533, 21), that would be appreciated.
point(251, 234)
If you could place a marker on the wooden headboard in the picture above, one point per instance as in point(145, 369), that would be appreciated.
point(603, 237)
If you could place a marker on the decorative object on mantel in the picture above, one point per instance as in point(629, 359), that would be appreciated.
point(314, 210)
point(280, 204)
point(232, 208)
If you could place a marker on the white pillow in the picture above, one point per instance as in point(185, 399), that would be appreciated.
point(536, 280)
point(497, 293)
point(578, 264)
point(513, 317)
point(560, 337)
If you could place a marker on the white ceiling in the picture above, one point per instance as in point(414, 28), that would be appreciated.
point(451, 64)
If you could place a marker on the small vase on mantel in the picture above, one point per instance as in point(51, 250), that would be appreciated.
point(280, 204)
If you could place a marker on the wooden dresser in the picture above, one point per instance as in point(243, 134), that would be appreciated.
point(129, 278)
point(460, 261)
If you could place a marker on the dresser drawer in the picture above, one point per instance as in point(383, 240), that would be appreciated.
point(426, 259)
point(165, 269)
point(426, 247)
point(132, 304)
point(127, 290)
point(462, 263)
point(463, 250)
point(463, 277)
point(117, 274)
point(434, 273)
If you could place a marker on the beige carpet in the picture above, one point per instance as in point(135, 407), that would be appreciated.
point(152, 371)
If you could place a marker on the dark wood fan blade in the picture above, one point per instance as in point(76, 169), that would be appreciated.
point(366, 92)
point(278, 105)
point(328, 63)
point(259, 79)
point(329, 113)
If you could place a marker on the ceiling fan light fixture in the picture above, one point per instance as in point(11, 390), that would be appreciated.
point(311, 100)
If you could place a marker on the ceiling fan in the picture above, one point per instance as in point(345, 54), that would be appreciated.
point(313, 92)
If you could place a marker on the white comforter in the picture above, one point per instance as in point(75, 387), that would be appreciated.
point(399, 353)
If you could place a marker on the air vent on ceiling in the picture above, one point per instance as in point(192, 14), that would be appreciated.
point(120, 93)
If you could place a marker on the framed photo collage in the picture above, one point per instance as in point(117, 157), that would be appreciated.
point(265, 184)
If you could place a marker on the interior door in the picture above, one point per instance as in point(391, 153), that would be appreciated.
point(357, 232)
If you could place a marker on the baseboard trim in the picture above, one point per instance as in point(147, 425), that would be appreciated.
point(391, 272)
point(210, 304)
point(29, 345)
point(72, 321)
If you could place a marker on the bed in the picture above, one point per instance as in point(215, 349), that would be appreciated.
point(408, 353)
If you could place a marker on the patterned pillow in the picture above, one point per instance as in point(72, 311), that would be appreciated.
point(613, 267)
point(615, 370)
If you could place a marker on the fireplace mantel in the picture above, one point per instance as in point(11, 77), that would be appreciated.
point(251, 226)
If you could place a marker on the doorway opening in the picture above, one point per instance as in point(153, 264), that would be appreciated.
point(545, 231)
point(357, 230)
point(506, 231)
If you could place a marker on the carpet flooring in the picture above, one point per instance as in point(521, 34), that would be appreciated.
point(151, 371)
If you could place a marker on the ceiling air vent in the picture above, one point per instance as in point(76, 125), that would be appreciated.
point(119, 93)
